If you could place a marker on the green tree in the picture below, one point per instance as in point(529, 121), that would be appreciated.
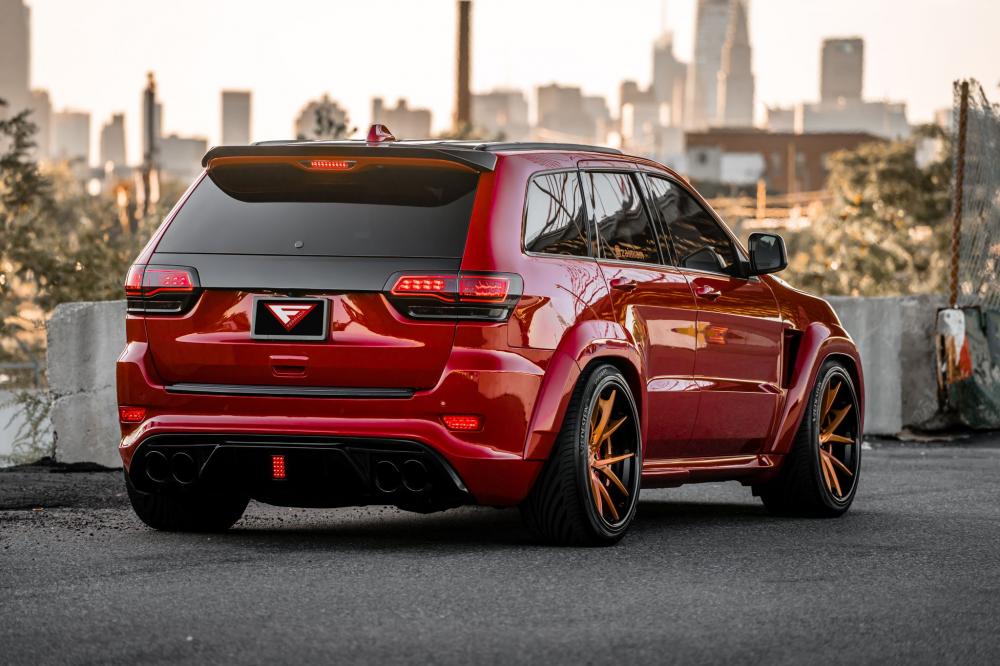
point(57, 242)
point(886, 230)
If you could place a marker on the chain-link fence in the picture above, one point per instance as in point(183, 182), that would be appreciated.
point(976, 264)
point(969, 332)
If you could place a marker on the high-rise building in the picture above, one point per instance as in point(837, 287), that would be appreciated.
point(181, 156)
point(669, 78)
point(711, 26)
point(113, 141)
point(735, 95)
point(71, 136)
point(41, 115)
point(562, 115)
point(842, 69)
point(235, 117)
point(501, 114)
point(403, 122)
point(320, 118)
point(15, 55)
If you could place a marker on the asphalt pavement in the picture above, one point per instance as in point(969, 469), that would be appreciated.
point(911, 575)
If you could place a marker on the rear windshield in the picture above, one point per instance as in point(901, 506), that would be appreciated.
point(372, 210)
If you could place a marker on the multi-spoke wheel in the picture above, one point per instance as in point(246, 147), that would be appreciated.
point(820, 474)
point(588, 491)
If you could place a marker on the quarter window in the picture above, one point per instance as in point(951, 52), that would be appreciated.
point(624, 228)
point(693, 230)
point(555, 221)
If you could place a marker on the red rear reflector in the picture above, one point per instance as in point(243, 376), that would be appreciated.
point(464, 422)
point(277, 467)
point(484, 288)
point(331, 165)
point(132, 414)
point(156, 280)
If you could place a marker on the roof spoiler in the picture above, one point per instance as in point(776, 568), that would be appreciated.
point(476, 159)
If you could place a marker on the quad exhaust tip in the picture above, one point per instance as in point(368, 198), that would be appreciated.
point(183, 468)
point(387, 476)
point(157, 467)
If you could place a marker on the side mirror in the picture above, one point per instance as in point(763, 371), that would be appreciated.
point(767, 253)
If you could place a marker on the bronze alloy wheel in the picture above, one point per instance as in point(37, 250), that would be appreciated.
point(819, 475)
point(839, 437)
point(588, 491)
point(612, 444)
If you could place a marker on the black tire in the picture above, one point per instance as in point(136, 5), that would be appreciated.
point(561, 509)
point(199, 511)
point(800, 489)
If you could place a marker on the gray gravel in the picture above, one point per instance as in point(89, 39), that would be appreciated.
point(910, 575)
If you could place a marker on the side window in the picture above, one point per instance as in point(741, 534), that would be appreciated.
point(699, 242)
point(555, 219)
point(624, 229)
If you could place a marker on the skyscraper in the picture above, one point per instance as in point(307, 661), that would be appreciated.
point(669, 77)
point(711, 27)
point(842, 69)
point(113, 141)
point(41, 115)
point(15, 55)
point(734, 102)
point(235, 117)
point(71, 136)
point(501, 113)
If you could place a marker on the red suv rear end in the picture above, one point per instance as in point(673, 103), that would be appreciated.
point(415, 324)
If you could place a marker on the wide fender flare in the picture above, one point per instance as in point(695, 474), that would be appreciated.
point(819, 342)
point(587, 342)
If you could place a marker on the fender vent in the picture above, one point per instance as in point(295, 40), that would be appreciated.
point(789, 353)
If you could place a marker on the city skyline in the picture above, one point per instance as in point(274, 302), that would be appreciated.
point(191, 80)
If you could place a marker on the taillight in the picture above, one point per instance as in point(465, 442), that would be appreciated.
point(466, 296)
point(161, 289)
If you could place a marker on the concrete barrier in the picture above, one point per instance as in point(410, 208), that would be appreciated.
point(895, 336)
point(84, 341)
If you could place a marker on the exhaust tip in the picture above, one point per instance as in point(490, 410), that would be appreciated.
point(387, 476)
point(157, 468)
point(415, 476)
point(183, 468)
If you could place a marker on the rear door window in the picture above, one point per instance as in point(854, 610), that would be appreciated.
point(624, 228)
point(371, 210)
point(555, 220)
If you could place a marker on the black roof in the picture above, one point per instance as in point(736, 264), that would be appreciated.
point(477, 154)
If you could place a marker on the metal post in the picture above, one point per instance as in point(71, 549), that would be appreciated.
point(956, 230)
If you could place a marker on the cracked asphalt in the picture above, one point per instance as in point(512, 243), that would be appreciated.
point(910, 576)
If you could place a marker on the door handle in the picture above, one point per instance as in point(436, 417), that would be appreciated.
point(707, 292)
point(623, 284)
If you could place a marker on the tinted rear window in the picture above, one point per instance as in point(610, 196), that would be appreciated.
point(374, 210)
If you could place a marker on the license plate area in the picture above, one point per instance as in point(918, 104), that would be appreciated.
point(289, 318)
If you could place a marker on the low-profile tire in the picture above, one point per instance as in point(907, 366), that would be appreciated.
point(198, 511)
point(819, 476)
point(588, 491)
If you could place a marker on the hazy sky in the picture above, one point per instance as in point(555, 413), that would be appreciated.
point(93, 54)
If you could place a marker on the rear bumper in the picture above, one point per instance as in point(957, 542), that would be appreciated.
point(304, 471)
point(500, 387)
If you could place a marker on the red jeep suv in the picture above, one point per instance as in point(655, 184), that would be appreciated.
point(428, 324)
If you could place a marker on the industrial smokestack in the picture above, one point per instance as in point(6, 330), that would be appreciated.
point(463, 97)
